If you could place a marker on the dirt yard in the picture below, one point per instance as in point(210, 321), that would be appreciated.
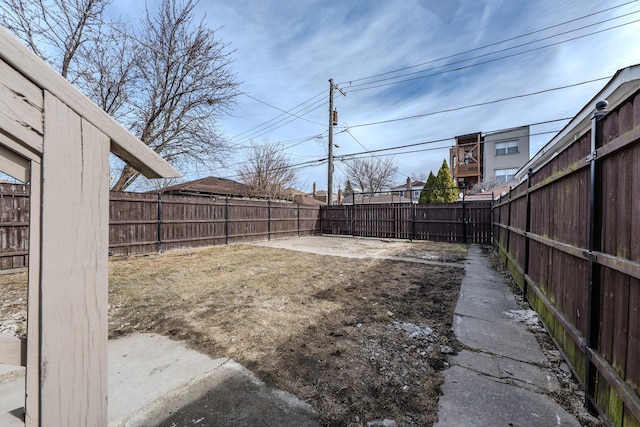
point(361, 339)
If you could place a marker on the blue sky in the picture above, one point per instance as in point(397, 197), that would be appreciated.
point(286, 51)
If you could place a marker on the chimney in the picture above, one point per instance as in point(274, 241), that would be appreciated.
point(314, 190)
point(339, 196)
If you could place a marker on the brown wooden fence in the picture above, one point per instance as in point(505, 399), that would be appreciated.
point(570, 235)
point(142, 223)
point(14, 226)
point(468, 222)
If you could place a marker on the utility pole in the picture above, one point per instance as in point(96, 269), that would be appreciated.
point(333, 119)
point(330, 160)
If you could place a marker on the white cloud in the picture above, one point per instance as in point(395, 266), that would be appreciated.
point(287, 51)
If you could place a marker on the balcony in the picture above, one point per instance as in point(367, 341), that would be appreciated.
point(465, 170)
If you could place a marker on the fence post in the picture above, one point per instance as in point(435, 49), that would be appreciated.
point(593, 285)
point(226, 221)
point(527, 228)
point(414, 207)
point(298, 204)
point(508, 222)
point(491, 219)
point(352, 222)
point(269, 220)
point(464, 221)
point(159, 222)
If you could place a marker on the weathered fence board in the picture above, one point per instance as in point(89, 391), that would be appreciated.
point(142, 223)
point(468, 222)
point(14, 220)
point(570, 235)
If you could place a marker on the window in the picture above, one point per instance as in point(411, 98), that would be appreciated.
point(401, 193)
point(416, 194)
point(505, 175)
point(504, 148)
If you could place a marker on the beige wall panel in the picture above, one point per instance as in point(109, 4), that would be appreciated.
point(73, 284)
point(32, 383)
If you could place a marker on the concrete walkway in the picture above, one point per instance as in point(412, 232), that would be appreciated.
point(152, 377)
point(501, 377)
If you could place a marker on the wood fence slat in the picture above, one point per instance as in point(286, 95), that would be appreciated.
point(560, 257)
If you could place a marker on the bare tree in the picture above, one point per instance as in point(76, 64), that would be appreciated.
point(109, 72)
point(185, 85)
point(54, 29)
point(169, 84)
point(371, 175)
point(267, 170)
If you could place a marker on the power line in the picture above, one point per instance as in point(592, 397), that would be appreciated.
point(487, 46)
point(362, 155)
point(295, 110)
point(370, 153)
point(279, 109)
point(267, 128)
point(449, 110)
point(366, 86)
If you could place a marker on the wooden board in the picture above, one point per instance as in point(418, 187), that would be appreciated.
point(20, 108)
point(73, 276)
point(13, 350)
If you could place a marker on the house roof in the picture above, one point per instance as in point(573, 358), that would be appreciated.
point(404, 186)
point(493, 194)
point(211, 186)
point(123, 144)
point(381, 198)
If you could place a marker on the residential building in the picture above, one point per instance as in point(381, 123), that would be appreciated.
point(365, 199)
point(410, 190)
point(210, 186)
point(465, 160)
point(505, 152)
point(480, 162)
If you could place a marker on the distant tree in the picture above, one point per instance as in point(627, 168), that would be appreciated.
point(439, 188)
point(418, 176)
point(427, 193)
point(448, 192)
point(267, 170)
point(371, 175)
point(348, 189)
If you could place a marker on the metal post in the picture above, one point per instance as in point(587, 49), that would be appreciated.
point(508, 222)
point(527, 247)
point(593, 285)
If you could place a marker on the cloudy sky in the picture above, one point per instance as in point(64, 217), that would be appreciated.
point(396, 59)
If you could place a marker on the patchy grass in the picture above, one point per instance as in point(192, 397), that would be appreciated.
point(361, 340)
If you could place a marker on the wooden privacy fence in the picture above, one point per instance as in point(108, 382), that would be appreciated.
point(14, 226)
point(570, 235)
point(142, 223)
point(463, 222)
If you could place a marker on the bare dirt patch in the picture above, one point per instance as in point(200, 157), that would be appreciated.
point(362, 340)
